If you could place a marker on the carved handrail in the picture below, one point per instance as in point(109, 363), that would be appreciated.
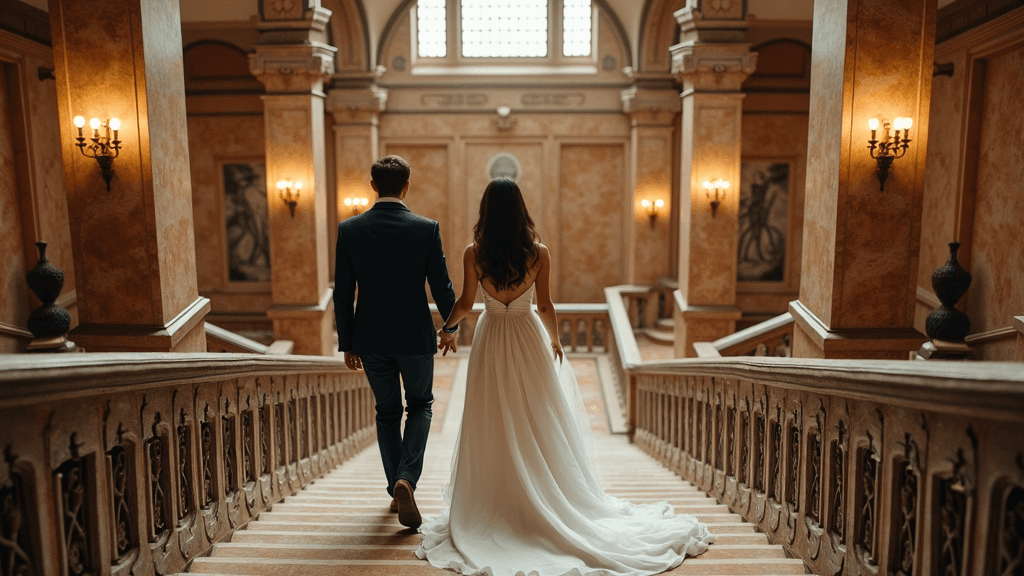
point(221, 340)
point(138, 463)
point(773, 337)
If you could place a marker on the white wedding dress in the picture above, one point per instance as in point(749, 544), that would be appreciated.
point(523, 496)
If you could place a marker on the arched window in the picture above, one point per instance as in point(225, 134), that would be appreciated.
point(504, 29)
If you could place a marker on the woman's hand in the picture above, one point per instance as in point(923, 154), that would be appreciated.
point(447, 342)
point(556, 347)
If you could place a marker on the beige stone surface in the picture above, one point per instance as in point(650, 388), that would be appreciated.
point(997, 292)
point(14, 294)
point(861, 245)
point(134, 246)
point(590, 256)
point(654, 158)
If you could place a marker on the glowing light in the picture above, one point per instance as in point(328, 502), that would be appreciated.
point(873, 124)
point(115, 124)
point(79, 121)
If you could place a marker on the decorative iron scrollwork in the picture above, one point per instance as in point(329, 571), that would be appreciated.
point(775, 476)
point(247, 446)
point(122, 513)
point(814, 477)
point(952, 520)
point(303, 427)
point(745, 447)
point(323, 422)
point(708, 431)
point(72, 477)
point(230, 476)
point(292, 433)
point(184, 467)
point(264, 444)
point(15, 550)
point(279, 426)
point(793, 475)
point(699, 438)
point(730, 453)
point(759, 442)
point(206, 433)
point(837, 482)
point(866, 510)
point(720, 436)
point(906, 523)
point(156, 484)
point(1010, 556)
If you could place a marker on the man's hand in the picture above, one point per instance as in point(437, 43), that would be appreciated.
point(353, 362)
point(447, 342)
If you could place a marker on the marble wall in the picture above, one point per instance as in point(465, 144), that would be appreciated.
point(33, 205)
point(572, 171)
point(972, 191)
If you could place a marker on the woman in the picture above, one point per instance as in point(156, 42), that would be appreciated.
point(523, 496)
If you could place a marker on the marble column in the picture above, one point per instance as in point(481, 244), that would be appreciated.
point(293, 60)
point(711, 61)
point(133, 245)
point(652, 112)
point(872, 59)
point(356, 104)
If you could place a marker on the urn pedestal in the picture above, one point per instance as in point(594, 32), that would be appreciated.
point(49, 323)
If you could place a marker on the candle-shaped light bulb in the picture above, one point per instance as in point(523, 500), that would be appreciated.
point(725, 184)
point(364, 201)
point(298, 186)
point(79, 122)
point(659, 203)
point(907, 123)
point(115, 125)
point(873, 124)
point(708, 185)
point(348, 201)
point(898, 123)
point(281, 184)
point(645, 203)
point(95, 125)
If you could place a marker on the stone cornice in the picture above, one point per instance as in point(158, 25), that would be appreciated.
point(712, 67)
point(713, 21)
point(650, 106)
point(356, 105)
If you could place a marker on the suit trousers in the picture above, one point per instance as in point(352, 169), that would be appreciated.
point(402, 455)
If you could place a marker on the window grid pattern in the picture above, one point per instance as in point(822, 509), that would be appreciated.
point(577, 18)
point(504, 28)
point(432, 28)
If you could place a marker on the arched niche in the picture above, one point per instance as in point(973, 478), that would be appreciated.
point(398, 26)
point(216, 65)
point(349, 33)
point(658, 31)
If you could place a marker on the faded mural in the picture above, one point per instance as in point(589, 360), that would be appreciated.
point(764, 221)
point(245, 220)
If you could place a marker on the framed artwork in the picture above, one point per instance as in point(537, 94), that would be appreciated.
point(764, 221)
point(246, 227)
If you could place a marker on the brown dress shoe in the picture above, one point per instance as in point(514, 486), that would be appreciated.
point(408, 513)
point(394, 504)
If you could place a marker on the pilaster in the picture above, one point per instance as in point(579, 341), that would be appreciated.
point(652, 112)
point(710, 63)
point(293, 62)
point(133, 243)
point(355, 104)
point(872, 59)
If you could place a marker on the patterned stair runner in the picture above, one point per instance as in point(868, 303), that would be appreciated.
point(340, 525)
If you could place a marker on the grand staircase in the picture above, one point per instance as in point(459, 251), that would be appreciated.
point(340, 525)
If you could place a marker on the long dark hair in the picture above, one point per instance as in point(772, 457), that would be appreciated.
point(505, 236)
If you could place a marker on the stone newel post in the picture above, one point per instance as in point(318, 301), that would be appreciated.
point(711, 62)
point(293, 61)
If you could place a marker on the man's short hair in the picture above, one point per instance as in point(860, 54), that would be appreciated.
point(390, 174)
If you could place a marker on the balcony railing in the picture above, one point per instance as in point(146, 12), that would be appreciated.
point(136, 464)
point(584, 327)
point(856, 467)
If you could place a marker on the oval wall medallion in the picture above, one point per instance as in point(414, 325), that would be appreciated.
point(505, 165)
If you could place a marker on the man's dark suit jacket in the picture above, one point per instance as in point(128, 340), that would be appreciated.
point(388, 251)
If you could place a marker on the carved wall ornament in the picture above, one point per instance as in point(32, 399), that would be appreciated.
point(206, 455)
point(158, 495)
point(553, 100)
point(454, 100)
point(265, 424)
point(121, 501)
point(906, 491)
point(72, 483)
point(1009, 560)
point(866, 494)
point(504, 165)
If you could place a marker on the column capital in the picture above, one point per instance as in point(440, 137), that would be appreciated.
point(650, 106)
point(712, 67)
point(712, 21)
point(293, 69)
point(357, 105)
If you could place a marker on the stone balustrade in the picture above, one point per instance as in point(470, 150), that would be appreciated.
point(136, 464)
point(584, 327)
point(856, 467)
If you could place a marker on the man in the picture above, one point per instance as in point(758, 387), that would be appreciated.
point(388, 251)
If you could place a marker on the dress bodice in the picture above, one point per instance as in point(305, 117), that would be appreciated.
point(521, 304)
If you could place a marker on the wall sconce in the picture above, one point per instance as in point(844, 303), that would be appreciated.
point(290, 197)
point(103, 148)
point(888, 149)
point(719, 186)
point(356, 204)
point(652, 209)
point(504, 121)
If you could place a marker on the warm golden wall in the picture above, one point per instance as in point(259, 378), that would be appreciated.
point(33, 205)
point(973, 183)
point(574, 172)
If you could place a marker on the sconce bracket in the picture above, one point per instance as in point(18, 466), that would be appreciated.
point(106, 168)
point(884, 163)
